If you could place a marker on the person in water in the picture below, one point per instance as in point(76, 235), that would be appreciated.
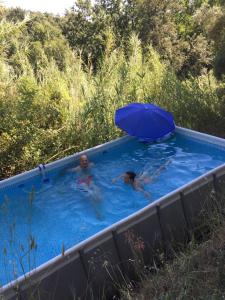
point(137, 181)
point(85, 182)
point(131, 178)
point(84, 171)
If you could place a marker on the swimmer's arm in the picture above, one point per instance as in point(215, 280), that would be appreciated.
point(137, 186)
point(76, 169)
point(66, 170)
point(146, 194)
point(114, 180)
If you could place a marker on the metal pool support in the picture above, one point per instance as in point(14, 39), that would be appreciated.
point(94, 266)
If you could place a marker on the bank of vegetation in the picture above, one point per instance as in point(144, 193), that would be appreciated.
point(62, 77)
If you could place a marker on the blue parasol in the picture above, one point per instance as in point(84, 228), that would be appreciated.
point(147, 122)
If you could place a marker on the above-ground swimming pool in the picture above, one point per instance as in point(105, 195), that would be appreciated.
point(42, 216)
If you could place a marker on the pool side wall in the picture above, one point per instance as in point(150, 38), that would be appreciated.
point(95, 266)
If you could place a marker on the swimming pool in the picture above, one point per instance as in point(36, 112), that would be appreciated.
point(50, 217)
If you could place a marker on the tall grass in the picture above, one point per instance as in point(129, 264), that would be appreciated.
point(48, 112)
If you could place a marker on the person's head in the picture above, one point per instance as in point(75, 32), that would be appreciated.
point(84, 162)
point(129, 177)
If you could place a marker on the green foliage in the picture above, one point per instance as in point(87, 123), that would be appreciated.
point(15, 15)
point(211, 20)
point(169, 26)
point(53, 101)
point(86, 30)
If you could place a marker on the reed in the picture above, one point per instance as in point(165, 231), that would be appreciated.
point(48, 111)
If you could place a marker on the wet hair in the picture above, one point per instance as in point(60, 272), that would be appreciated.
point(131, 175)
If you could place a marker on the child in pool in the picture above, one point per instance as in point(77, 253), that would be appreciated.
point(134, 180)
point(137, 181)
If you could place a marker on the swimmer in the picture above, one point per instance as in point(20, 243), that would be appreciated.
point(138, 181)
point(84, 171)
point(84, 163)
point(134, 180)
point(86, 183)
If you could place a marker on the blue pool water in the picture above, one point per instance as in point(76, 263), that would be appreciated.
point(38, 220)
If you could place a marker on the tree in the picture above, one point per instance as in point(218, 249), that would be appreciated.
point(211, 21)
point(85, 30)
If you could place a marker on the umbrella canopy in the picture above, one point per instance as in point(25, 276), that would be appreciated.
point(147, 122)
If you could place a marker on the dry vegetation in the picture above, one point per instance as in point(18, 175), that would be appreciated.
point(198, 272)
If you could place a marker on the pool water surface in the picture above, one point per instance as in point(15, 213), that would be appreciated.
point(38, 220)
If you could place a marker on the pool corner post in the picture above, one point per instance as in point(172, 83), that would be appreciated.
point(189, 227)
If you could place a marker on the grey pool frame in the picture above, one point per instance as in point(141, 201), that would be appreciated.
point(90, 269)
